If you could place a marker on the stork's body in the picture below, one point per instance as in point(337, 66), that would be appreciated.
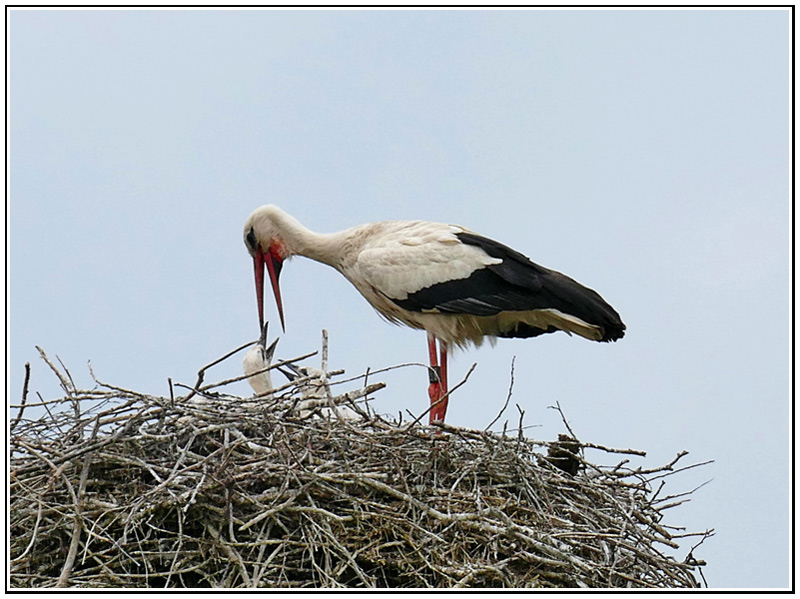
point(458, 286)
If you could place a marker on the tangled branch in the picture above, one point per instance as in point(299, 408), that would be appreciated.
point(214, 490)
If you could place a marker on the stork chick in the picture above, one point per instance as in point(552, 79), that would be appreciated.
point(314, 392)
point(257, 359)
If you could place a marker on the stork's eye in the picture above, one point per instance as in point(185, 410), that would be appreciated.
point(251, 239)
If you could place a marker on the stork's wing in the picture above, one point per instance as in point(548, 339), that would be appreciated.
point(416, 256)
point(486, 278)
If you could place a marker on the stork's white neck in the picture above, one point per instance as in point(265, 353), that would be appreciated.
point(272, 223)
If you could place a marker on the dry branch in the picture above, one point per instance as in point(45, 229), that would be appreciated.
point(214, 490)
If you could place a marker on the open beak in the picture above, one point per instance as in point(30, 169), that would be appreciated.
point(290, 371)
point(262, 340)
point(274, 265)
point(269, 352)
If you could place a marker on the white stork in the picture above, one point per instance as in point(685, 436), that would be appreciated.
point(256, 360)
point(456, 285)
point(315, 392)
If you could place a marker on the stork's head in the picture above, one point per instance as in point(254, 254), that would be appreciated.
point(264, 239)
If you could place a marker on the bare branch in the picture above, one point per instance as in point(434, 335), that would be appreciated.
point(16, 420)
point(564, 419)
point(508, 396)
point(443, 398)
point(225, 491)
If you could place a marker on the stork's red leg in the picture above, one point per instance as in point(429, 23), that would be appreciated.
point(443, 364)
point(434, 374)
point(438, 379)
point(432, 357)
point(442, 407)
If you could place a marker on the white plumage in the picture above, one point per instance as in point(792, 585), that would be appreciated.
point(315, 394)
point(309, 380)
point(458, 286)
point(401, 258)
point(256, 360)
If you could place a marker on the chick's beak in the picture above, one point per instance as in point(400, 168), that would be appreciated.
point(269, 352)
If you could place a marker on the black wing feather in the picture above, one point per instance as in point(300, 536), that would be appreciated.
point(515, 284)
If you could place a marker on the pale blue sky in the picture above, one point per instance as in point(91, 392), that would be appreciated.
point(645, 153)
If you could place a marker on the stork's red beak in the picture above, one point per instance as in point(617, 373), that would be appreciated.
point(274, 264)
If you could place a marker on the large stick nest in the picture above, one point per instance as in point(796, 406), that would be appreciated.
point(113, 488)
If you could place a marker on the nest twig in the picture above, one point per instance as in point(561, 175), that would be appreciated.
point(112, 488)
